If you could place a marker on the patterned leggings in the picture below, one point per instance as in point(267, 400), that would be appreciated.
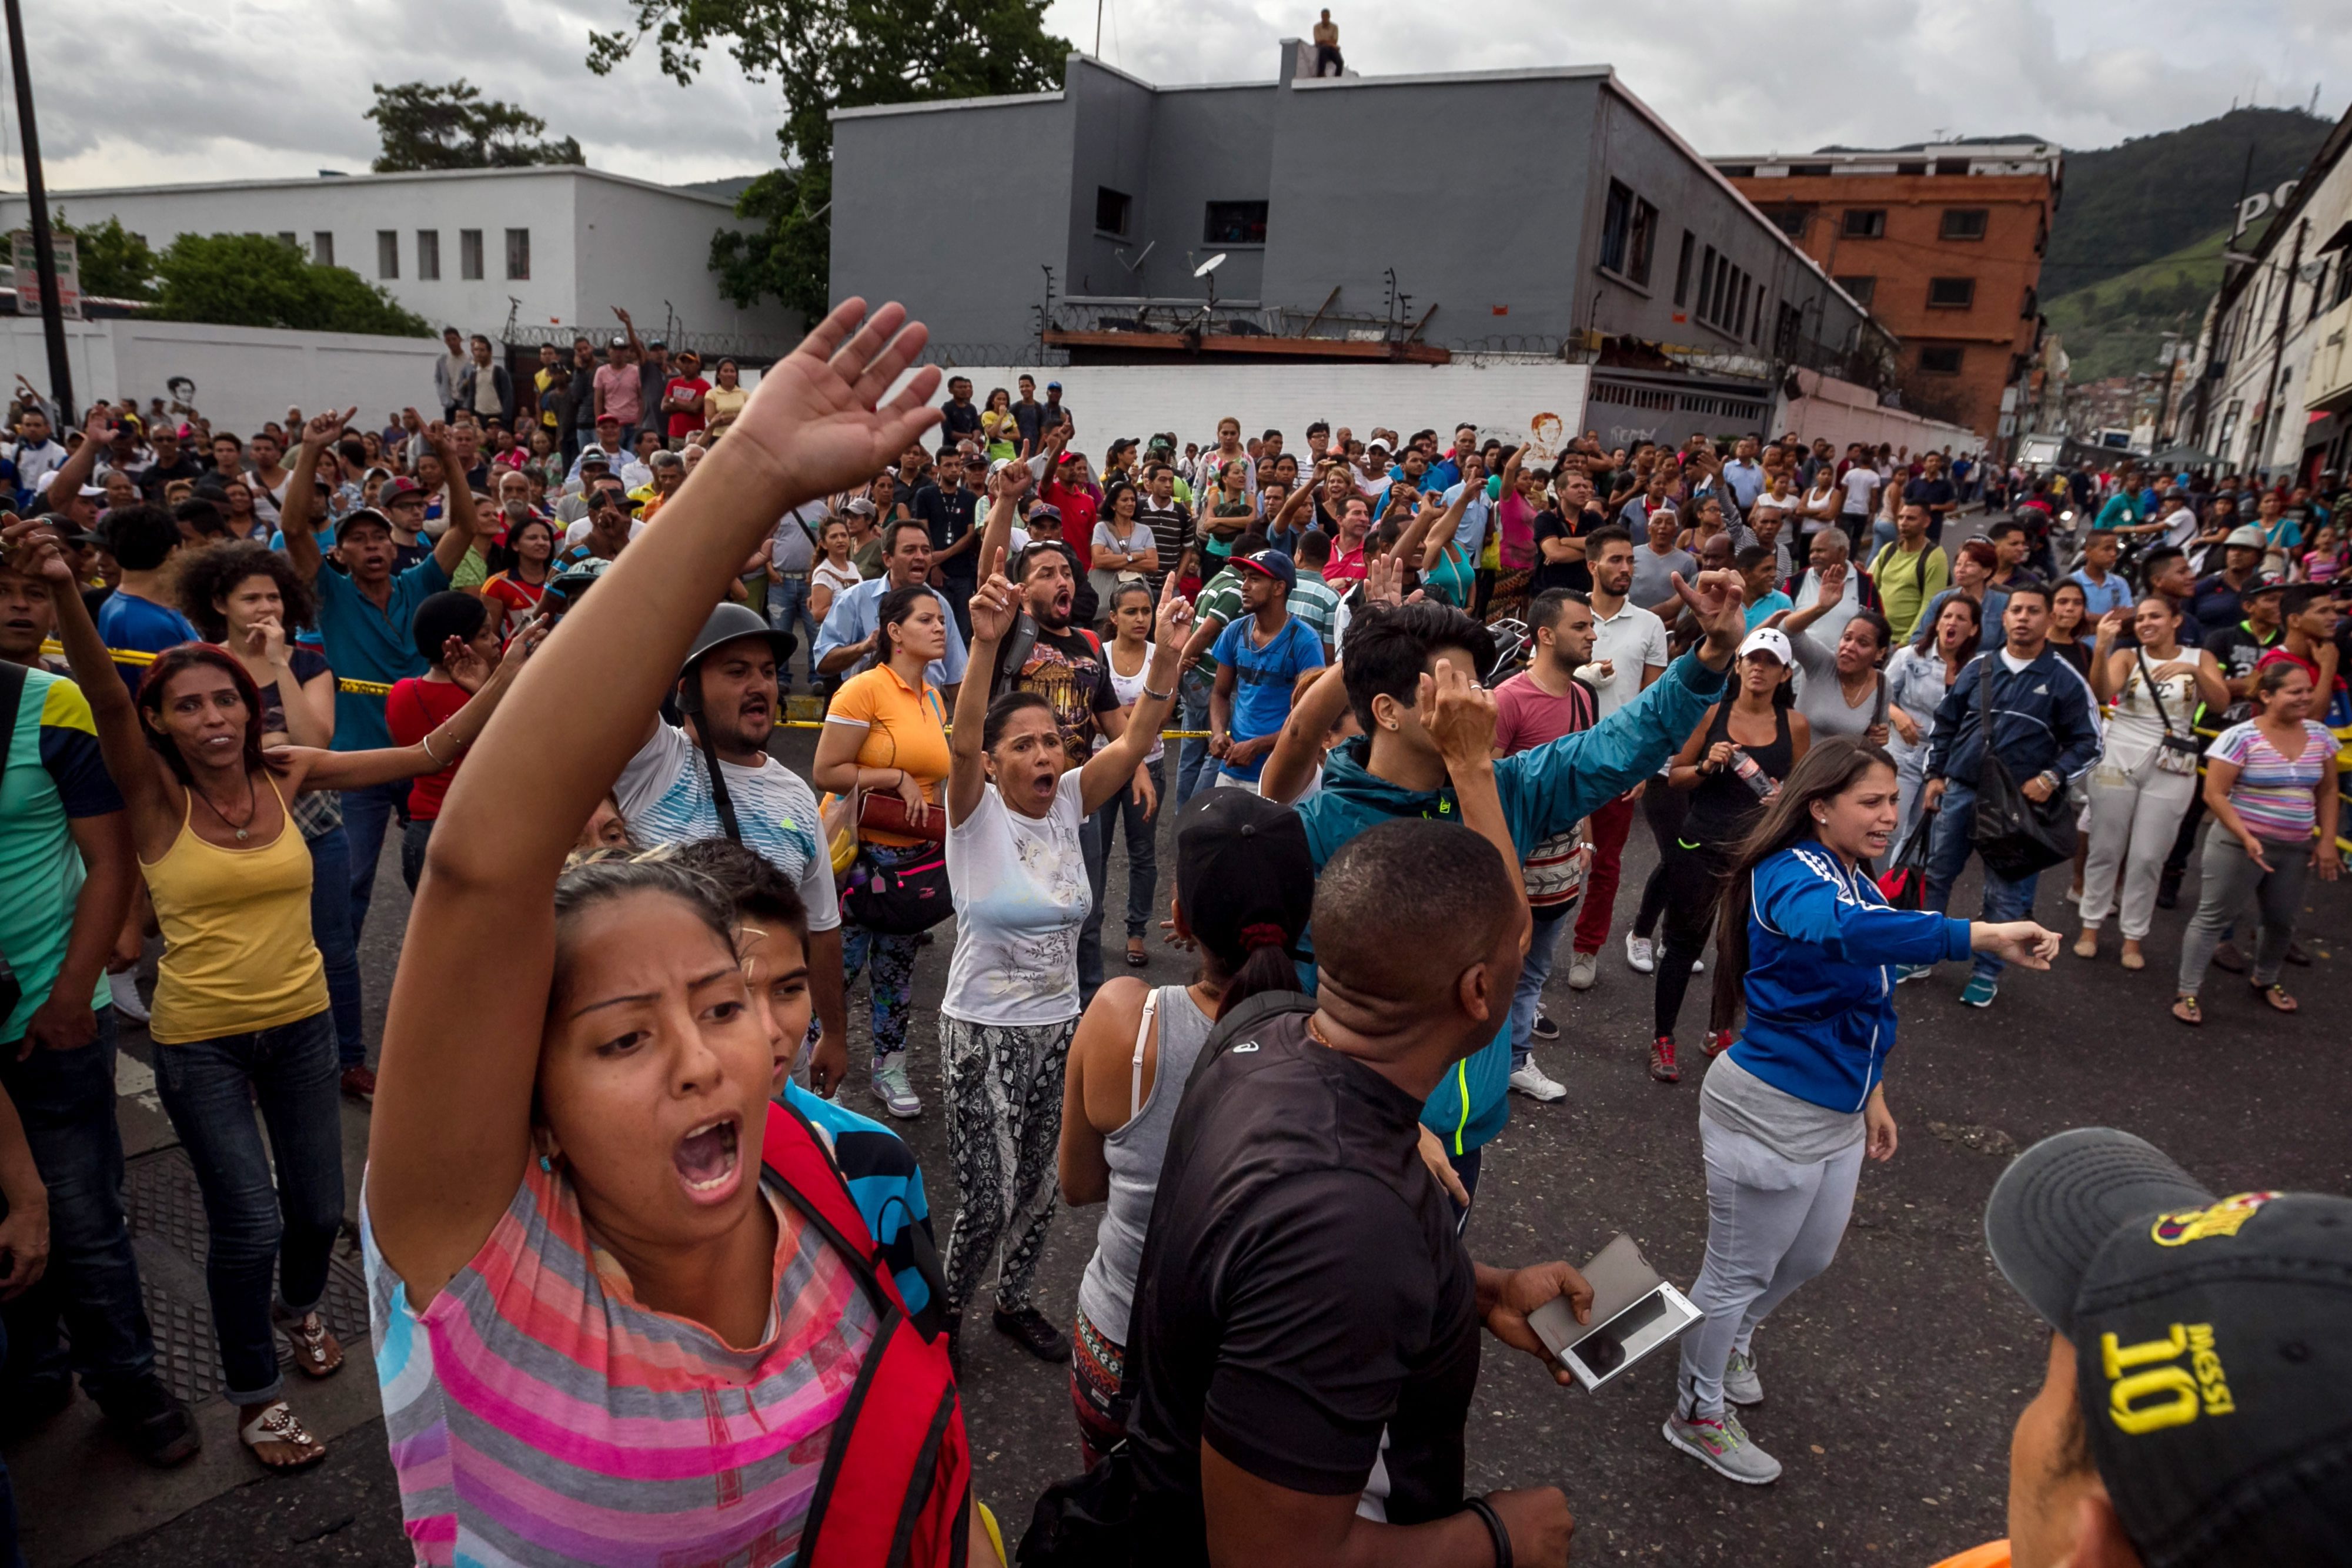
point(891, 962)
point(1004, 1130)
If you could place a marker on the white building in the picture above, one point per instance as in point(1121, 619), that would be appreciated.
point(545, 247)
point(2278, 383)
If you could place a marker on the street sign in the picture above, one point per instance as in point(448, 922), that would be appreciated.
point(64, 252)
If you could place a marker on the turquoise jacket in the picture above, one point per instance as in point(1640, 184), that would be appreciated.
point(1544, 791)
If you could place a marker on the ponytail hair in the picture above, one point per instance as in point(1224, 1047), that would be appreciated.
point(1828, 769)
point(1266, 965)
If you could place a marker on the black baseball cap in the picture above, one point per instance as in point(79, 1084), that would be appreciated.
point(2213, 1342)
point(1244, 877)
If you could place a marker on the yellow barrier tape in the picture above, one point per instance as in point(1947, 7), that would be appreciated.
point(138, 658)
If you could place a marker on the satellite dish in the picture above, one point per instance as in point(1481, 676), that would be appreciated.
point(1209, 265)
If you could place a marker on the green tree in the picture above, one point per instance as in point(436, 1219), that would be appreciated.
point(254, 280)
point(827, 55)
point(115, 264)
point(453, 127)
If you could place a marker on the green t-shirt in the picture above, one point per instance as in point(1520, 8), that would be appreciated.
point(52, 775)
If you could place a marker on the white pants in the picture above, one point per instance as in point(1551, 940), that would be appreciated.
point(1771, 1225)
point(2140, 810)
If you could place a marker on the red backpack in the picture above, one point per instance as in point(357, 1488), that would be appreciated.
point(897, 1483)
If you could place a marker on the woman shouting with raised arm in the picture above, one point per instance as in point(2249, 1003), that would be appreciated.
point(624, 1310)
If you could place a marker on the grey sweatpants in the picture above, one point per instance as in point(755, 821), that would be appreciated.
point(1771, 1225)
point(2229, 877)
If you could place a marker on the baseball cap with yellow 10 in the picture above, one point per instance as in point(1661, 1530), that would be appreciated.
point(2212, 1344)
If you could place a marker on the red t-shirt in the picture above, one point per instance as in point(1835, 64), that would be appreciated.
point(1078, 509)
point(414, 710)
point(682, 424)
point(1526, 715)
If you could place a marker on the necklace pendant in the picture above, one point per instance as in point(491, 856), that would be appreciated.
point(240, 836)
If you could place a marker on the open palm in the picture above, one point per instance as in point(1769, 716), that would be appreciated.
point(818, 421)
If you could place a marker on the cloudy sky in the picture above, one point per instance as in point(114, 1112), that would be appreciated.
point(170, 90)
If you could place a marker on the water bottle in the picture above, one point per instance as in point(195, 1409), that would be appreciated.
point(1752, 774)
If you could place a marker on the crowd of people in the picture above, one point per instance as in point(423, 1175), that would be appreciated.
point(640, 1273)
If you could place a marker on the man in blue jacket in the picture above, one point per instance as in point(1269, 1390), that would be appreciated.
point(2045, 730)
point(1395, 769)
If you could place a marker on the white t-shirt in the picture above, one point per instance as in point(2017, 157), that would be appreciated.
point(1020, 895)
point(1628, 640)
point(665, 795)
point(1862, 483)
point(1128, 689)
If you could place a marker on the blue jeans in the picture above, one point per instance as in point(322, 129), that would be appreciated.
point(330, 928)
point(1195, 768)
point(66, 1100)
point(787, 610)
point(1947, 854)
point(415, 837)
point(1528, 997)
point(366, 812)
point(209, 1088)
point(1142, 847)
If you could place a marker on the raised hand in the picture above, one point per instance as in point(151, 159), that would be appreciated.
point(1173, 622)
point(324, 430)
point(30, 546)
point(1458, 715)
point(466, 666)
point(1715, 600)
point(1833, 583)
point(2111, 625)
point(993, 608)
point(818, 421)
point(1384, 581)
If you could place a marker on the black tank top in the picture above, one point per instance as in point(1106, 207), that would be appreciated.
point(1724, 805)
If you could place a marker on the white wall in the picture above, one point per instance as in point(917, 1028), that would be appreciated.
point(1109, 401)
point(244, 375)
point(1838, 411)
point(647, 243)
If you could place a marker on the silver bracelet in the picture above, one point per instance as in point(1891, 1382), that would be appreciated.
point(427, 743)
point(1158, 696)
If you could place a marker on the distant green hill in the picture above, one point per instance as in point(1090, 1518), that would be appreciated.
point(2127, 207)
point(2116, 326)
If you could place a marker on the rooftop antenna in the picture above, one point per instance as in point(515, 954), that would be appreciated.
point(1208, 270)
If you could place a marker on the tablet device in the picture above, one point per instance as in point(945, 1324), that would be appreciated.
point(1634, 1312)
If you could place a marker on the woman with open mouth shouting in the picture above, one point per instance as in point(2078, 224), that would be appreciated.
point(1014, 810)
point(624, 1307)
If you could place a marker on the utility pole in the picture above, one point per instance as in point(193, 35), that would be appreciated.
point(36, 196)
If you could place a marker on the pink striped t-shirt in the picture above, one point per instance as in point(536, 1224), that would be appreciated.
point(537, 1413)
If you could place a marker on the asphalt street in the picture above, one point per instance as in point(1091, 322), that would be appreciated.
point(1892, 1382)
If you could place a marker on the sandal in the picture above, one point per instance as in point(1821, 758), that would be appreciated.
point(2276, 995)
point(2086, 945)
point(278, 1424)
point(2185, 1008)
point(2133, 958)
point(1136, 957)
point(316, 1351)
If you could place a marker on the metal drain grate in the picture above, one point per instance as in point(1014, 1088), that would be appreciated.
point(167, 1227)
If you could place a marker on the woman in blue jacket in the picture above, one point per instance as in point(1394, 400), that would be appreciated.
point(1786, 1112)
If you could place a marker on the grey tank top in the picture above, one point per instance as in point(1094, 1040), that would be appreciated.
point(1134, 1153)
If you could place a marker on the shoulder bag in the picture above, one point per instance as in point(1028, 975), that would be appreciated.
point(2016, 837)
point(2177, 753)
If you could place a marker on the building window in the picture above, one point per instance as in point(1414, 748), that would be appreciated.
point(1616, 227)
point(1739, 311)
point(1862, 288)
point(387, 253)
point(287, 239)
point(1965, 222)
point(518, 253)
point(1789, 221)
point(429, 255)
point(1111, 208)
point(1705, 281)
point(1866, 223)
point(1787, 325)
point(1682, 268)
point(469, 254)
point(322, 247)
point(1952, 293)
point(2032, 304)
point(1940, 359)
point(1236, 223)
point(1645, 242)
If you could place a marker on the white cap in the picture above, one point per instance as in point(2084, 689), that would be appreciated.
point(1376, 441)
point(1768, 640)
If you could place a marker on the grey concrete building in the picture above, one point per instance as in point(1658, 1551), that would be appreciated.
point(1544, 211)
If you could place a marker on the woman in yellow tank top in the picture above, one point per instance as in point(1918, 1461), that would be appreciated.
point(240, 1015)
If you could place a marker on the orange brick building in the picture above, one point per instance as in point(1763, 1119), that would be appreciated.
point(1943, 243)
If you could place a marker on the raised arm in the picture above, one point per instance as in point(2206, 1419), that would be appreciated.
point(452, 1123)
point(97, 435)
point(294, 517)
point(1459, 715)
point(1795, 621)
point(449, 552)
point(994, 610)
point(1108, 771)
point(317, 769)
point(2110, 664)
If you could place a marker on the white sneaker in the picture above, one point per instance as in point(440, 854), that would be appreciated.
point(124, 989)
point(1640, 954)
point(1723, 1445)
point(1532, 1082)
point(1582, 970)
point(1699, 965)
point(1741, 1387)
